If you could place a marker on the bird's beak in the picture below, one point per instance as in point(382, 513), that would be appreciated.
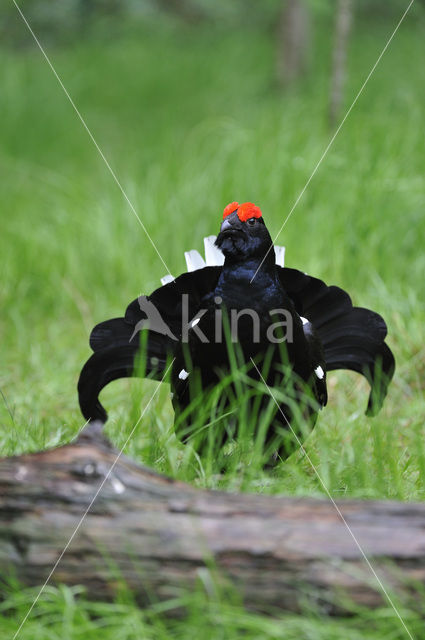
point(225, 225)
point(231, 226)
point(231, 223)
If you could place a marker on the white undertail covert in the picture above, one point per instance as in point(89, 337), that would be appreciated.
point(214, 258)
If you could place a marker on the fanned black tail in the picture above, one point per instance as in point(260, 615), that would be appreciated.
point(355, 340)
point(116, 342)
point(352, 337)
point(103, 367)
point(116, 347)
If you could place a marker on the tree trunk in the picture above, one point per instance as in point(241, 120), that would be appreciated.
point(160, 534)
point(293, 41)
point(342, 30)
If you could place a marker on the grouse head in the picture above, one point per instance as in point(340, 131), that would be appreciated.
point(243, 234)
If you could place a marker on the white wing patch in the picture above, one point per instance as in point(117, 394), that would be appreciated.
point(183, 374)
point(214, 258)
point(319, 372)
point(304, 320)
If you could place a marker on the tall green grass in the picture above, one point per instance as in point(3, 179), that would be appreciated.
point(190, 120)
point(215, 612)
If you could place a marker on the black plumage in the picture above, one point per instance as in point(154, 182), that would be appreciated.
point(323, 330)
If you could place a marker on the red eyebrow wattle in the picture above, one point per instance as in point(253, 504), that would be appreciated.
point(230, 209)
point(245, 211)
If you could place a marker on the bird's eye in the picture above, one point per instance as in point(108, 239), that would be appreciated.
point(252, 221)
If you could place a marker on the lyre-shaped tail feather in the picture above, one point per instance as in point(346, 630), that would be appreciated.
point(352, 337)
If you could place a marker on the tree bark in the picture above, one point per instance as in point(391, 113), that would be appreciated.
point(159, 534)
point(293, 41)
point(342, 30)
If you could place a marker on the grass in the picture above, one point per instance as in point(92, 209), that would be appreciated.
point(65, 614)
point(191, 120)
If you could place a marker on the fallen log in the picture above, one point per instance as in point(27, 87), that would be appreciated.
point(160, 534)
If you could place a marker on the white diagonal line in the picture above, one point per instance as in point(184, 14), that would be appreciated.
point(385, 592)
point(83, 122)
point(322, 157)
point(77, 528)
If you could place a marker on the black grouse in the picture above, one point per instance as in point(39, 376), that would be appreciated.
point(289, 330)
